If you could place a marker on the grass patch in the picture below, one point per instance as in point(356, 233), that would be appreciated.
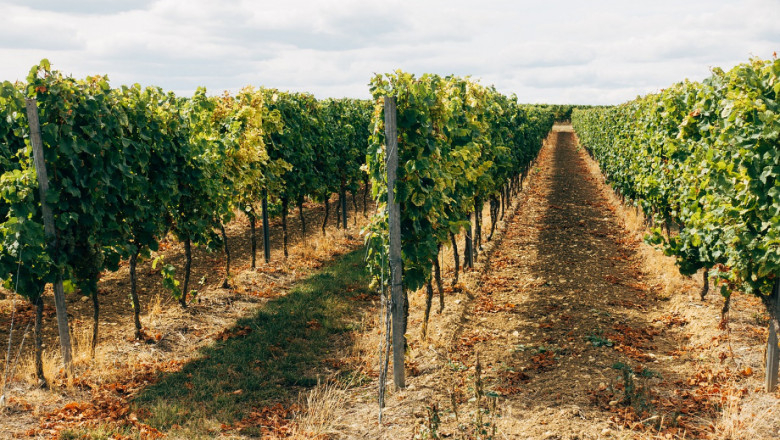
point(263, 359)
point(102, 432)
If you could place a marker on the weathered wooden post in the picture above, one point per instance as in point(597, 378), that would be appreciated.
point(48, 227)
point(394, 219)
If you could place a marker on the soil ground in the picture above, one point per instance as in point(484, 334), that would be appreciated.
point(581, 331)
point(569, 327)
point(175, 336)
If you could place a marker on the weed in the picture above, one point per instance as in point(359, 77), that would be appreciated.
point(760, 319)
point(507, 368)
point(636, 387)
point(456, 365)
point(557, 351)
point(433, 421)
point(168, 273)
point(522, 347)
point(597, 339)
point(482, 425)
point(429, 429)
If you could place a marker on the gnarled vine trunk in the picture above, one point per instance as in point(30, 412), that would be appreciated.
point(343, 203)
point(187, 271)
point(95, 322)
point(134, 293)
point(494, 207)
point(285, 205)
point(437, 277)
point(253, 238)
point(266, 232)
point(706, 287)
point(456, 257)
point(355, 206)
point(226, 282)
point(469, 249)
point(39, 340)
point(327, 213)
point(428, 302)
point(303, 219)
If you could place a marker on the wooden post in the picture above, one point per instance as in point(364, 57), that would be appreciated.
point(48, 227)
point(772, 353)
point(266, 232)
point(394, 218)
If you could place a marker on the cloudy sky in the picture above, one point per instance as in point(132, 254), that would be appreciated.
point(562, 51)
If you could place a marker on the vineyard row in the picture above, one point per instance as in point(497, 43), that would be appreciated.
point(702, 160)
point(127, 166)
point(459, 145)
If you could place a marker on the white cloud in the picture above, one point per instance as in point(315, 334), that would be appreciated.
point(604, 51)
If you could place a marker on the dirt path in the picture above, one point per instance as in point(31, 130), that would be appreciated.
point(176, 334)
point(563, 304)
point(581, 330)
point(562, 290)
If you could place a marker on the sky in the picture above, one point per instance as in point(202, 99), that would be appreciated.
point(559, 52)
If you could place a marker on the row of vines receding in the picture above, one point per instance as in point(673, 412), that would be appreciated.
point(129, 166)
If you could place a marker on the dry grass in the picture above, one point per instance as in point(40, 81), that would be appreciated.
point(751, 416)
point(320, 246)
point(747, 422)
point(322, 408)
point(738, 421)
point(426, 358)
point(662, 268)
point(157, 307)
point(743, 417)
point(99, 368)
point(104, 367)
point(81, 337)
point(175, 334)
point(366, 344)
point(52, 364)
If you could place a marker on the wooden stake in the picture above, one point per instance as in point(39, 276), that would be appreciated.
point(50, 232)
point(394, 218)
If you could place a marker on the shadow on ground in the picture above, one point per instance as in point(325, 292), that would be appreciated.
point(592, 313)
point(288, 345)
